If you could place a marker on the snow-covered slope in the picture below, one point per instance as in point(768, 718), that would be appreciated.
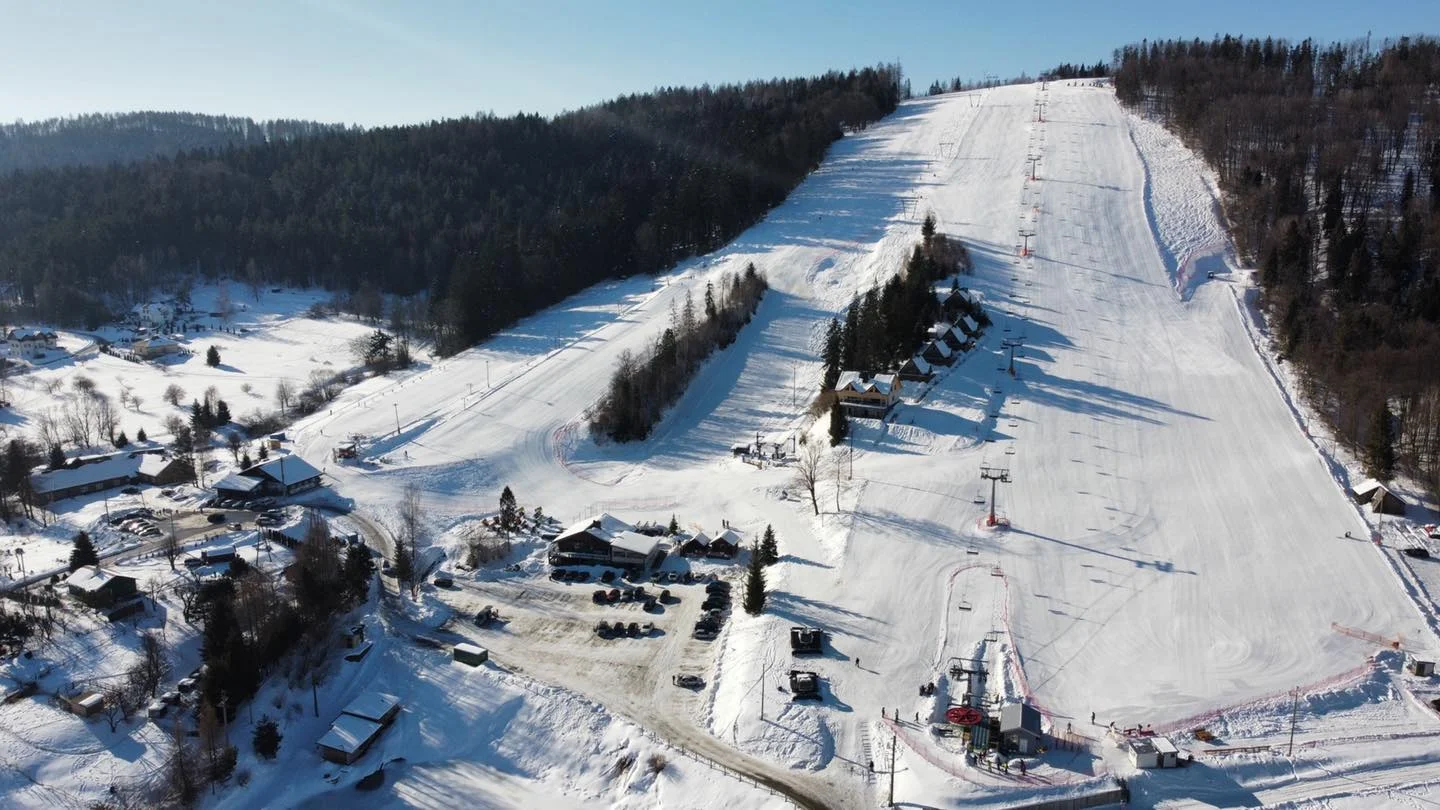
point(1175, 544)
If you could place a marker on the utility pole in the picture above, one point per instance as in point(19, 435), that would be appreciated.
point(1294, 710)
point(994, 475)
point(487, 374)
point(397, 418)
point(892, 770)
point(850, 440)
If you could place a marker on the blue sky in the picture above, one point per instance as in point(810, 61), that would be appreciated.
point(391, 62)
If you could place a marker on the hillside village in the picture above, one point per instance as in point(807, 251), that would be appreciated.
point(912, 531)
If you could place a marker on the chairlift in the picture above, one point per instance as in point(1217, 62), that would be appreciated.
point(965, 605)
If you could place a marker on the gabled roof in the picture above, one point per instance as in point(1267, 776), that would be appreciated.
point(287, 470)
point(603, 526)
point(921, 364)
point(700, 537)
point(349, 733)
point(154, 464)
point(969, 324)
point(1367, 488)
point(89, 471)
point(91, 579)
point(729, 536)
point(879, 384)
point(371, 706)
point(940, 347)
point(30, 334)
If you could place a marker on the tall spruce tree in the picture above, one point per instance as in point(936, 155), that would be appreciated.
point(82, 553)
point(1380, 445)
point(769, 550)
point(833, 351)
point(509, 512)
point(839, 423)
point(755, 583)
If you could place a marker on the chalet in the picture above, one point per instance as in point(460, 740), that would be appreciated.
point(916, 369)
point(604, 540)
point(871, 397)
point(1379, 498)
point(1020, 728)
point(284, 475)
point(152, 347)
point(726, 545)
point(937, 353)
point(100, 589)
point(952, 337)
point(697, 546)
point(956, 302)
point(157, 469)
point(31, 344)
point(153, 314)
point(237, 487)
point(86, 474)
point(968, 325)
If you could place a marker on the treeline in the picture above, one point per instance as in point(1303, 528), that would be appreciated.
point(490, 218)
point(103, 138)
point(1329, 160)
point(1065, 70)
point(643, 387)
point(886, 326)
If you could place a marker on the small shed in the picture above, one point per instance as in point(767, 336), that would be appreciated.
point(470, 654)
point(806, 640)
point(353, 636)
point(1152, 752)
point(1020, 728)
point(1378, 497)
point(348, 738)
point(85, 704)
point(1419, 668)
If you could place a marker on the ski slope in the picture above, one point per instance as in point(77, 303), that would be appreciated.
point(1175, 543)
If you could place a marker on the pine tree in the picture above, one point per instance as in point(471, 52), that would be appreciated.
point(404, 567)
point(267, 738)
point(83, 552)
point(264, 452)
point(140, 436)
point(674, 527)
point(927, 229)
point(57, 457)
point(755, 584)
point(1380, 445)
point(212, 357)
point(839, 423)
point(245, 461)
point(222, 413)
point(833, 346)
point(121, 440)
point(509, 511)
point(358, 572)
point(769, 550)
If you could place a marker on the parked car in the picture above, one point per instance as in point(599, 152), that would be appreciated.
point(186, 685)
point(607, 577)
point(598, 597)
point(666, 597)
point(215, 517)
point(688, 681)
point(130, 491)
point(613, 596)
point(715, 604)
point(646, 628)
point(1417, 552)
point(652, 605)
point(486, 615)
point(633, 630)
point(704, 632)
point(156, 709)
point(602, 629)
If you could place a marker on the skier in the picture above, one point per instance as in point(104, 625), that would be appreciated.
point(1092, 718)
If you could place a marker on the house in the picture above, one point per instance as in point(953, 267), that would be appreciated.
point(697, 546)
point(85, 474)
point(956, 302)
point(863, 396)
point(1020, 728)
point(916, 369)
point(1152, 752)
point(968, 325)
point(953, 339)
point(284, 475)
point(157, 469)
point(1379, 498)
point(726, 545)
point(604, 540)
point(348, 739)
point(470, 654)
point(937, 353)
point(30, 344)
point(806, 640)
point(100, 589)
point(153, 314)
point(152, 347)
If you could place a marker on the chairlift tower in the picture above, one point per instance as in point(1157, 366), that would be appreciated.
point(1012, 344)
point(1033, 158)
point(995, 475)
point(1025, 246)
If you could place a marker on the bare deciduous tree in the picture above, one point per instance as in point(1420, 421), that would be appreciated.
point(284, 394)
point(174, 394)
point(809, 469)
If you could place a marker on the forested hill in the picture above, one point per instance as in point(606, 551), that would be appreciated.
point(1329, 160)
point(102, 139)
point(495, 217)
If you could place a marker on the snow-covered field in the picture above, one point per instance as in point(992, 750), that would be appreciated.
point(1176, 552)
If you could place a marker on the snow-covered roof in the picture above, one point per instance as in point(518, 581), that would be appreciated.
point(159, 341)
point(730, 536)
point(879, 384)
point(634, 542)
point(349, 733)
point(237, 483)
point(286, 469)
point(90, 578)
point(777, 437)
point(104, 468)
point(1164, 746)
point(604, 526)
point(921, 364)
point(30, 334)
point(970, 324)
point(91, 701)
point(153, 464)
point(1367, 487)
point(469, 649)
point(371, 706)
point(941, 347)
